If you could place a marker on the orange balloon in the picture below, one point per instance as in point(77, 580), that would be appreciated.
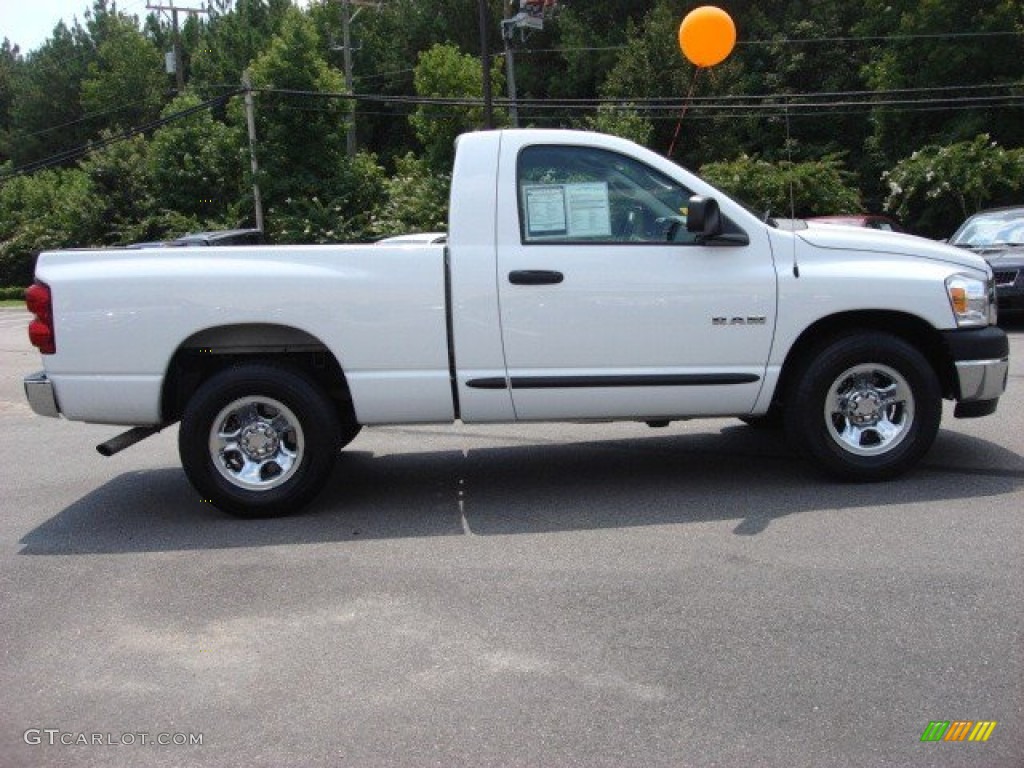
point(707, 36)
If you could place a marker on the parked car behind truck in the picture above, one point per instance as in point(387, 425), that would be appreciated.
point(584, 278)
point(998, 237)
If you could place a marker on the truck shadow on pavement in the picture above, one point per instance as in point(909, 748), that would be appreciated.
point(736, 474)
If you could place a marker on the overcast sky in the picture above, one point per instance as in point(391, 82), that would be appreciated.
point(29, 22)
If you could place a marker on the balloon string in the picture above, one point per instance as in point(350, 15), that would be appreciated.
point(686, 104)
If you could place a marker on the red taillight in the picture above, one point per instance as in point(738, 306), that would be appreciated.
point(40, 330)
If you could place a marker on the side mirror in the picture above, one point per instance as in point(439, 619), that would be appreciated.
point(703, 217)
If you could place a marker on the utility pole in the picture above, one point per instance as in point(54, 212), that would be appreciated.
point(347, 17)
point(179, 64)
point(179, 68)
point(529, 18)
point(250, 122)
point(485, 61)
point(507, 33)
point(346, 41)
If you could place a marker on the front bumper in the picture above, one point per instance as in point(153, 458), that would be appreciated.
point(981, 379)
point(40, 395)
point(981, 360)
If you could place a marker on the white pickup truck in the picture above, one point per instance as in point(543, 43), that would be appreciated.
point(584, 278)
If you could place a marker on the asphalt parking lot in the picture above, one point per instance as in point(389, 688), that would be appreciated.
point(566, 595)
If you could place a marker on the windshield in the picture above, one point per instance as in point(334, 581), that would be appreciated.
point(987, 230)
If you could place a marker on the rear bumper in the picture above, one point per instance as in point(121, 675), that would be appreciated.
point(40, 395)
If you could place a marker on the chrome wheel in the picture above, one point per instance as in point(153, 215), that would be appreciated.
point(256, 443)
point(869, 409)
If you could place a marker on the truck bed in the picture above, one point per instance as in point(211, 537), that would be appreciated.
point(122, 315)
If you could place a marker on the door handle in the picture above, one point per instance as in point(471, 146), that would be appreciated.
point(535, 277)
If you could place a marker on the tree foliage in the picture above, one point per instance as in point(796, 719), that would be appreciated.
point(621, 120)
point(342, 211)
point(990, 53)
point(444, 72)
point(298, 137)
point(818, 98)
point(46, 114)
point(416, 199)
point(235, 36)
point(785, 187)
point(938, 186)
point(125, 81)
point(50, 209)
point(194, 164)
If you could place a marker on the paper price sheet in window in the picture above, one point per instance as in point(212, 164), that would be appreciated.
point(572, 211)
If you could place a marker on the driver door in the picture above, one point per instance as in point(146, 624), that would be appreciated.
point(609, 308)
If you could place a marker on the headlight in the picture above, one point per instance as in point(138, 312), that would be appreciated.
point(972, 300)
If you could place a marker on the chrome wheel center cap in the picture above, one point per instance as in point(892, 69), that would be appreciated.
point(864, 408)
point(259, 441)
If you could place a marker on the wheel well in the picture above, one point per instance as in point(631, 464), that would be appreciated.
point(212, 350)
point(912, 329)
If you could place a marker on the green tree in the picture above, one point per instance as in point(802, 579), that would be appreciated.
point(781, 188)
point(46, 115)
point(650, 65)
point(235, 36)
point(923, 54)
point(621, 120)
point(197, 165)
point(48, 210)
point(10, 63)
point(587, 36)
point(126, 81)
point(342, 211)
point(937, 187)
point(444, 72)
point(121, 181)
point(313, 191)
point(301, 141)
point(416, 199)
point(389, 38)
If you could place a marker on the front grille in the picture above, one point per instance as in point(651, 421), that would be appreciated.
point(1005, 276)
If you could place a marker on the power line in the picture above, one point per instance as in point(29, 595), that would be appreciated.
point(382, 75)
point(70, 154)
point(801, 41)
point(883, 38)
point(674, 102)
point(84, 118)
point(730, 107)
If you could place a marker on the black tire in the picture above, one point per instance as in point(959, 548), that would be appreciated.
point(866, 407)
point(259, 440)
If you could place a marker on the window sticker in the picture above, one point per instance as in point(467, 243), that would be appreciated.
point(545, 210)
point(589, 209)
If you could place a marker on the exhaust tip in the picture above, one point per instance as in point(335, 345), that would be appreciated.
point(126, 440)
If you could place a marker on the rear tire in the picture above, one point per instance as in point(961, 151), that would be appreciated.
point(866, 407)
point(259, 440)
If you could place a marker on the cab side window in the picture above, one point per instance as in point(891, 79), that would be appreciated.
point(587, 195)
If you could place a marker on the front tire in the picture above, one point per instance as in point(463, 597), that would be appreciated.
point(259, 440)
point(866, 407)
